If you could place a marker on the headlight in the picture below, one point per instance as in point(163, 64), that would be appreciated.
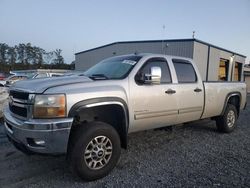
point(49, 106)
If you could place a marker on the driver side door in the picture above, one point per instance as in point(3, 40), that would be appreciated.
point(151, 104)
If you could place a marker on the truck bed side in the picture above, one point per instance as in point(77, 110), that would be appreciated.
point(217, 93)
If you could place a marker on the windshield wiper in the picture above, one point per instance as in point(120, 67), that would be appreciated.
point(98, 77)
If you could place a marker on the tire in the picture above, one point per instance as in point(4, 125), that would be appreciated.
point(227, 122)
point(95, 151)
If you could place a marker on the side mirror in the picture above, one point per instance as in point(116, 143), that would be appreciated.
point(154, 77)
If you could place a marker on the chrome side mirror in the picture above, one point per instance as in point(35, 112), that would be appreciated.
point(154, 77)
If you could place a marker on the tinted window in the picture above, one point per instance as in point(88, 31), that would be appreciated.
point(185, 71)
point(165, 73)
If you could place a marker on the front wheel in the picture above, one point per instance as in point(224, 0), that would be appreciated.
point(96, 150)
point(227, 122)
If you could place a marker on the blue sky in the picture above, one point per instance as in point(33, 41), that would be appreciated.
point(78, 25)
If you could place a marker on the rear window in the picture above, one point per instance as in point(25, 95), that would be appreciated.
point(185, 71)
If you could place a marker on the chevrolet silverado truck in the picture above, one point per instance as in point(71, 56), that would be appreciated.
point(89, 117)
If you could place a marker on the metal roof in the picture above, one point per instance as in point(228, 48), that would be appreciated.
point(167, 40)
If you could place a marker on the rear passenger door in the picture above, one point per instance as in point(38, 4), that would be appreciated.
point(189, 90)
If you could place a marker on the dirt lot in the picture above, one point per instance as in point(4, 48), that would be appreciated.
point(192, 155)
point(3, 98)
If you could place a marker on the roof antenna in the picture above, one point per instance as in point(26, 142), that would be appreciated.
point(193, 34)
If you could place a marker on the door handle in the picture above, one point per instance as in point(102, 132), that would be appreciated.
point(170, 91)
point(197, 90)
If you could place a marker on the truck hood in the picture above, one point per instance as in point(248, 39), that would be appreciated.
point(42, 84)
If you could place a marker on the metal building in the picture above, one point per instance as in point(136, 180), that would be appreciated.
point(214, 63)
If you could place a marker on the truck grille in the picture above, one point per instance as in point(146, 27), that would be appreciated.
point(18, 103)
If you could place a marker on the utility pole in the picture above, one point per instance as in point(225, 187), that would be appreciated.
point(163, 36)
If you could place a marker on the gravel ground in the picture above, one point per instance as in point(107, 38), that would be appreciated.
point(3, 99)
point(192, 155)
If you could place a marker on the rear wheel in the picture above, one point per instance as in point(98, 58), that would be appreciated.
point(227, 122)
point(96, 150)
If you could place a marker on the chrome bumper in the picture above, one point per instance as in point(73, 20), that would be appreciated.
point(45, 136)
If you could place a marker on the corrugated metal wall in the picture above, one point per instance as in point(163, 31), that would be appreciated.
point(87, 59)
point(201, 52)
point(214, 59)
point(207, 65)
point(200, 58)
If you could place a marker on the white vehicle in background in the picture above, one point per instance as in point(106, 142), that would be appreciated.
point(12, 79)
point(46, 74)
point(30, 74)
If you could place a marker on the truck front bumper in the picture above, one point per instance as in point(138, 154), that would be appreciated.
point(44, 136)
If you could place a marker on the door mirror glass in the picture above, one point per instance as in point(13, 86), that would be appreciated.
point(154, 77)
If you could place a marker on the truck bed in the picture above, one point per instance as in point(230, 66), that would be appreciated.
point(216, 93)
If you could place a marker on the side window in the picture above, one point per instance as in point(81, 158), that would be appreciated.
point(56, 75)
point(185, 71)
point(41, 75)
point(157, 62)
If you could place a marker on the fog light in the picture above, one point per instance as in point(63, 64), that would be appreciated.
point(36, 142)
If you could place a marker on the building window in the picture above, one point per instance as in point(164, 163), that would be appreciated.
point(237, 71)
point(223, 70)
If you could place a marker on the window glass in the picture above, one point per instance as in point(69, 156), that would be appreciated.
point(185, 71)
point(41, 75)
point(223, 70)
point(165, 73)
point(113, 68)
point(56, 75)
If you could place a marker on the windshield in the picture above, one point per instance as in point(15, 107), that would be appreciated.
point(113, 68)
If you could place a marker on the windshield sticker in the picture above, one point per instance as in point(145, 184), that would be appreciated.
point(130, 62)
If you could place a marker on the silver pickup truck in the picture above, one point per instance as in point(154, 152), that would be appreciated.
point(88, 117)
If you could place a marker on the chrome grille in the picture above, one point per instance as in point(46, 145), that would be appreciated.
point(18, 103)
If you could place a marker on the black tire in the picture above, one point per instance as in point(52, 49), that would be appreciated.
point(82, 140)
point(225, 123)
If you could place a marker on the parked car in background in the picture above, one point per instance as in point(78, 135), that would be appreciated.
point(11, 79)
point(28, 74)
point(2, 76)
point(46, 74)
point(14, 78)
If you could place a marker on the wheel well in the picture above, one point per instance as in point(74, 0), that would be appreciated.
point(113, 115)
point(235, 100)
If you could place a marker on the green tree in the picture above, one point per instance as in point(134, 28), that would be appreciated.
point(58, 57)
point(3, 53)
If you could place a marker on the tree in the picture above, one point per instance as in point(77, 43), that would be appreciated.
point(12, 56)
point(48, 57)
point(38, 54)
point(58, 57)
point(3, 53)
point(21, 54)
point(25, 56)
